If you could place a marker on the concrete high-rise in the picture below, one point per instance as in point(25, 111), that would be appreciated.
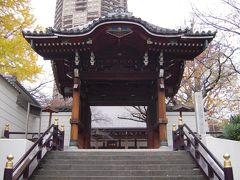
point(73, 13)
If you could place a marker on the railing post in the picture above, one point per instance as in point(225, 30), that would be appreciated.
point(188, 144)
point(61, 138)
point(55, 134)
point(181, 134)
point(6, 131)
point(8, 171)
point(174, 137)
point(197, 155)
point(26, 173)
point(210, 172)
point(39, 155)
point(48, 145)
point(228, 172)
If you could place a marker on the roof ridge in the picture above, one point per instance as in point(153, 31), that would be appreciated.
point(124, 17)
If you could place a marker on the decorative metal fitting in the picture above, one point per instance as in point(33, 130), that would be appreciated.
point(7, 127)
point(149, 41)
point(9, 163)
point(161, 73)
point(76, 58)
point(62, 128)
point(227, 162)
point(56, 121)
point(206, 43)
point(145, 57)
point(161, 85)
point(161, 58)
point(92, 59)
point(76, 73)
point(180, 121)
point(119, 10)
point(174, 127)
point(89, 41)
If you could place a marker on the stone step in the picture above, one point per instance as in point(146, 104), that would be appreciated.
point(195, 177)
point(122, 157)
point(118, 153)
point(114, 165)
point(67, 173)
point(117, 162)
point(118, 167)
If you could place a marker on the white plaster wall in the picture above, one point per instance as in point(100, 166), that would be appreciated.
point(16, 147)
point(221, 146)
point(10, 112)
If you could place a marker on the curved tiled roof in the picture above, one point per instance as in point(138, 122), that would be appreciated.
point(118, 17)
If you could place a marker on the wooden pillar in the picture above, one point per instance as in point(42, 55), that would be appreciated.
point(150, 127)
point(75, 113)
point(156, 142)
point(89, 125)
point(153, 126)
point(135, 144)
point(76, 104)
point(50, 119)
point(81, 127)
point(119, 144)
point(84, 134)
point(161, 112)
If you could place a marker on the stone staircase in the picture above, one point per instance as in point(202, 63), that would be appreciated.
point(111, 165)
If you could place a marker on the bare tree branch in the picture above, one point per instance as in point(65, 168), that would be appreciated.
point(136, 113)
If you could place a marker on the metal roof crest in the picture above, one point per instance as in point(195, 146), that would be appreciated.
point(120, 11)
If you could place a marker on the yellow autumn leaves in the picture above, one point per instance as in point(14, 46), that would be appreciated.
point(16, 56)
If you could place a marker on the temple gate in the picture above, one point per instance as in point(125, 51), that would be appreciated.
point(118, 60)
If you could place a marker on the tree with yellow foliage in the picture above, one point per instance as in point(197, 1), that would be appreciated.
point(16, 56)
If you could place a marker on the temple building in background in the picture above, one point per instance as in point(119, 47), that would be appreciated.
point(73, 13)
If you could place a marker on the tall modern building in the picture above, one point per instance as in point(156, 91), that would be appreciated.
point(73, 13)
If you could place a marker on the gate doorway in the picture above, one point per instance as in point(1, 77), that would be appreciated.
point(118, 127)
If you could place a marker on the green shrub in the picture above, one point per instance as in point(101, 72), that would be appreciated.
point(235, 119)
point(232, 130)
